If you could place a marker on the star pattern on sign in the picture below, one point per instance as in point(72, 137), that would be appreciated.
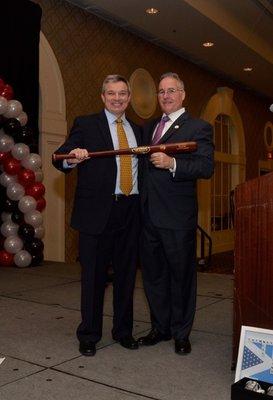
point(250, 359)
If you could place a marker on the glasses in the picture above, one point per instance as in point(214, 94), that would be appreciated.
point(123, 93)
point(170, 91)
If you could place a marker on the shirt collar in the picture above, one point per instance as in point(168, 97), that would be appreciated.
point(111, 118)
point(173, 116)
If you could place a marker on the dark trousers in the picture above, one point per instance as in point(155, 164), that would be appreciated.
point(169, 276)
point(118, 244)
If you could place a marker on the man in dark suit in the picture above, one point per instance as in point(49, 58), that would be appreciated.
point(106, 213)
point(169, 206)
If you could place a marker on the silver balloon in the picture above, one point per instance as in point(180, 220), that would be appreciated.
point(3, 105)
point(20, 151)
point(13, 244)
point(15, 191)
point(14, 109)
point(6, 143)
point(34, 218)
point(39, 232)
point(22, 118)
point(27, 204)
point(33, 162)
point(9, 228)
point(6, 179)
point(22, 259)
point(5, 216)
point(39, 175)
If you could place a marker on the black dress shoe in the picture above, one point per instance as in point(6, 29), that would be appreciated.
point(182, 347)
point(153, 337)
point(87, 348)
point(128, 342)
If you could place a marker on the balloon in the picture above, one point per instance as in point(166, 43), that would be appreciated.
point(37, 259)
point(6, 179)
point(12, 127)
point(33, 161)
point(17, 217)
point(5, 216)
point(26, 232)
point(39, 175)
point(6, 259)
point(9, 205)
point(25, 135)
point(14, 109)
point(7, 92)
point(3, 104)
point(8, 228)
point(15, 191)
point(26, 177)
point(6, 143)
point(39, 232)
point(34, 246)
point(20, 151)
point(2, 239)
point(27, 204)
point(4, 156)
point(12, 166)
point(22, 118)
point(36, 190)
point(13, 244)
point(41, 203)
point(34, 218)
point(22, 259)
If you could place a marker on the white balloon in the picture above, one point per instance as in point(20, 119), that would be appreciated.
point(15, 191)
point(13, 244)
point(22, 259)
point(27, 204)
point(6, 143)
point(3, 105)
point(22, 118)
point(33, 162)
point(20, 151)
point(6, 179)
point(9, 228)
point(39, 232)
point(5, 216)
point(34, 218)
point(14, 109)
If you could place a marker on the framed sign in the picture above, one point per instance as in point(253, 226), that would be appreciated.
point(255, 358)
point(143, 96)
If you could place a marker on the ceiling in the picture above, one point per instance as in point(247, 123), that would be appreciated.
point(242, 31)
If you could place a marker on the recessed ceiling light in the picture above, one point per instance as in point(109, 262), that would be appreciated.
point(208, 44)
point(248, 69)
point(152, 10)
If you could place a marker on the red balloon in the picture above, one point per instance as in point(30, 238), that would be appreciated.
point(7, 92)
point(6, 259)
point(36, 190)
point(41, 203)
point(12, 166)
point(26, 177)
point(4, 156)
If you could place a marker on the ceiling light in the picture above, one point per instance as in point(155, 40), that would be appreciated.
point(248, 69)
point(208, 44)
point(152, 10)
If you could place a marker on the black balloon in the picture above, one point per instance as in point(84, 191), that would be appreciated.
point(10, 206)
point(26, 232)
point(17, 217)
point(34, 246)
point(25, 135)
point(12, 127)
point(2, 119)
point(37, 259)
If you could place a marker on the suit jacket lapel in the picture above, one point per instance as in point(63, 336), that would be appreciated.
point(174, 127)
point(105, 131)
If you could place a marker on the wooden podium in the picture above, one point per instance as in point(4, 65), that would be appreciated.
point(253, 278)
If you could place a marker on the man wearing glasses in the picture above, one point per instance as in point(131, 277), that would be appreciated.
point(106, 213)
point(169, 206)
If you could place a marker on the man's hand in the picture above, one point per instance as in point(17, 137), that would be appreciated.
point(81, 155)
point(162, 160)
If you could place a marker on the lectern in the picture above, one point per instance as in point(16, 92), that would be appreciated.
point(253, 276)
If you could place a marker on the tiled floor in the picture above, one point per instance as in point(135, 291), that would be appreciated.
point(39, 312)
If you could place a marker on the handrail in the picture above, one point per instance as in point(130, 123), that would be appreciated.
point(204, 261)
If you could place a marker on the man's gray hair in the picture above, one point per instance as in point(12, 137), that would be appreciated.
point(113, 79)
point(174, 76)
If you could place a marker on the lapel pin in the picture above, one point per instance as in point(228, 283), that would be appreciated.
point(176, 127)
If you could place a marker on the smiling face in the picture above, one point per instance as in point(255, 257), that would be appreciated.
point(170, 95)
point(116, 97)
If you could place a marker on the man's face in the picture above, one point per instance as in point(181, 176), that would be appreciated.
point(170, 95)
point(116, 97)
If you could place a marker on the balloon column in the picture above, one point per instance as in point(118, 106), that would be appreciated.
point(21, 188)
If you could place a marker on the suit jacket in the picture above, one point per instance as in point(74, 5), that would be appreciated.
point(172, 200)
point(96, 177)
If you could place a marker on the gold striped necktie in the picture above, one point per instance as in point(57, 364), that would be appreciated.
point(126, 180)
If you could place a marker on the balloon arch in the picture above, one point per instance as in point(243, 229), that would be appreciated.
point(21, 188)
